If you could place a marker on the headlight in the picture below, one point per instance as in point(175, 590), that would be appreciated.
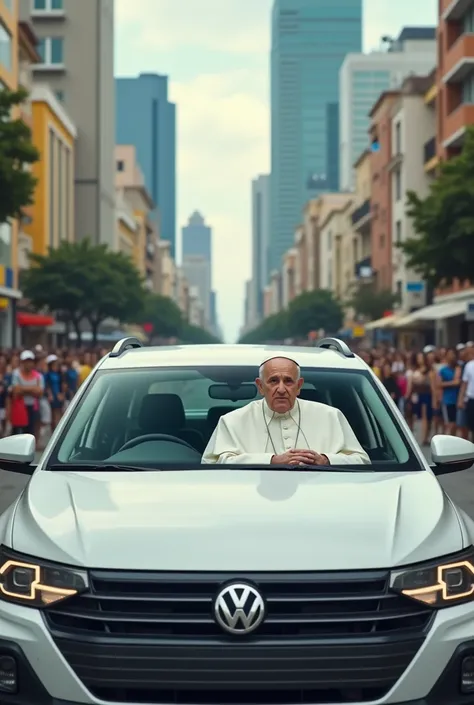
point(441, 583)
point(33, 583)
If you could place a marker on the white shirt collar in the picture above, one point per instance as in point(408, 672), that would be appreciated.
point(274, 414)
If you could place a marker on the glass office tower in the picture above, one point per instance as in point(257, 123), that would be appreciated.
point(310, 39)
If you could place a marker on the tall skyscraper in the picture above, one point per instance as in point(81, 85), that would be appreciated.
point(147, 119)
point(363, 77)
point(76, 44)
point(260, 240)
point(197, 262)
point(309, 42)
point(197, 237)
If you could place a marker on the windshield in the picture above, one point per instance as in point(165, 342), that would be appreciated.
point(114, 420)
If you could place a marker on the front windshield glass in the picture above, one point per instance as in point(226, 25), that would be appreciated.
point(162, 416)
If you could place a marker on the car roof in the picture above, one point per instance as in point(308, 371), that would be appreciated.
point(228, 355)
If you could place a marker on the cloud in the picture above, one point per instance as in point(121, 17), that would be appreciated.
point(239, 26)
point(223, 144)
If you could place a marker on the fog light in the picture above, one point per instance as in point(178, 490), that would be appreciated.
point(8, 675)
point(467, 675)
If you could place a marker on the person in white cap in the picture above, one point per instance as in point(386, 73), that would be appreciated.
point(27, 384)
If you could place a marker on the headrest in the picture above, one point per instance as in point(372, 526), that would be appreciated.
point(215, 413)
point(162, 413)
point(313, 395)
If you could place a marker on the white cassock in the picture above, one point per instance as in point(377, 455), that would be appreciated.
point(255, 433)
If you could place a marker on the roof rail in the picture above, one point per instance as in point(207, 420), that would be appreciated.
point(335, 344)
point(125, 344)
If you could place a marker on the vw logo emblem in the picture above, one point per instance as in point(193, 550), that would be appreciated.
point(239, 608)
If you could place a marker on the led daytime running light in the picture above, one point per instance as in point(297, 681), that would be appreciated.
point(36, 584)
point(442, 586)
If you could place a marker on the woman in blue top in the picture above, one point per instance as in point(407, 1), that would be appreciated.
point(449, 379)
point(53, 382)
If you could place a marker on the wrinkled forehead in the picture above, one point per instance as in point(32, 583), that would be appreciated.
point(280, 366)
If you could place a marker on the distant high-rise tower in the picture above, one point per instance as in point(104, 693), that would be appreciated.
point(197, 262)
point(147, 119)
point(309, 43)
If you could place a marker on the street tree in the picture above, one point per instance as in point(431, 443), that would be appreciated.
point(313, 310)
point(274, 328)
point(84, 282)
point(163, 314)
point(17, 152)
point(370, 303)
point(194, 335)
point(443, 248)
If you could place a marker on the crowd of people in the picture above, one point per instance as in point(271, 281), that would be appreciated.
point(36, 387)
point(434, 386)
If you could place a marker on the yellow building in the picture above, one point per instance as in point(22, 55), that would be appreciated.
point(9, 294)
point(54, 135)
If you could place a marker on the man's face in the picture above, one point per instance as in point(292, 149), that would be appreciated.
point(280, 385)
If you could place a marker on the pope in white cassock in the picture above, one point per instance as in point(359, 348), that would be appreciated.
point(282, 429)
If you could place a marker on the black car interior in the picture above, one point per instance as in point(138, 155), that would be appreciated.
point(138, 416)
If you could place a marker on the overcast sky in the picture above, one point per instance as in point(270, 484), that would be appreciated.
point(216, 53)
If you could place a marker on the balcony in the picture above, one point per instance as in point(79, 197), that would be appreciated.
point(454, 9)
point(455, 125)
point(361, 212)
point(429, 150)
point(459, 59)
point(361, 216)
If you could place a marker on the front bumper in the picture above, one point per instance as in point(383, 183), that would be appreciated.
point(45, 678)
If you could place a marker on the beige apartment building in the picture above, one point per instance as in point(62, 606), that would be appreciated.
point(335, 232)
point(76, 48)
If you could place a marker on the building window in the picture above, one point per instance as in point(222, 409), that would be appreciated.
point(382, 242)
point(60, 96)
point(399, 292)
point(8, 4)
point(5, 48)
point(398, 138)
point(48, 5)
point(6, 244)
point(120, 165)
point(51, 50)
point(398, 231)
point(468, 90)
point(398, 185)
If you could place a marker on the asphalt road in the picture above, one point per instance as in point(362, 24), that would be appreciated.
point(460, 487)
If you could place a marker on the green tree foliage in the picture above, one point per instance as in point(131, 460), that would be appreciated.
point(370, 303)
point(443, 248)
point(313, 310)
point(310, 311)
point(17, 184)
point(193, 335)
point(271, 329)
point(85, 282)
point(164, 315)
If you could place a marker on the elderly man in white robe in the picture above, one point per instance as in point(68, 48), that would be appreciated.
point(282, 429)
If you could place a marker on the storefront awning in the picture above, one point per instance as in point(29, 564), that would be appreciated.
point(385, 322)
point(35, 320)
point(438, 312)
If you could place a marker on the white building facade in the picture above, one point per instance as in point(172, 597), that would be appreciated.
point(413, 124)
point(363, 77)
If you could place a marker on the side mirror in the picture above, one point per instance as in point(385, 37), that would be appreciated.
point(451, 454)
point(17, 453)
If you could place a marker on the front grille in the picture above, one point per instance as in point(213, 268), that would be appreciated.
point(299, 606)
point(152, 638)
point(238, 674)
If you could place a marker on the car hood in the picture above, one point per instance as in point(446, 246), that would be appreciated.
point(235, 520)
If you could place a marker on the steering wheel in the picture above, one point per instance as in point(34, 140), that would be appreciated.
point(154, 437)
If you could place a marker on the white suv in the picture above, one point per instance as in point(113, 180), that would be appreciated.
point(131, 573)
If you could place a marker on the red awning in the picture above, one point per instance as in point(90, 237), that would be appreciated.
point(34, 319)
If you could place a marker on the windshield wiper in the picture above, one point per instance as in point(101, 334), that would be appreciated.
point(96, 467)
